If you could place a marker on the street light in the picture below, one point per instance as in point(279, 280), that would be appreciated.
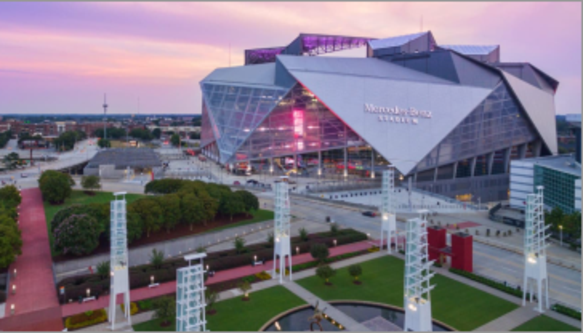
point(561, 231)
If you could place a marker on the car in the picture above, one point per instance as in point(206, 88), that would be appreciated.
point(236, 182)
point(252, 181)
point(23, 175)
point(291, 181)
point(369, 213)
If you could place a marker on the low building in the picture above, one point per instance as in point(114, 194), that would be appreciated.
point(116, 163)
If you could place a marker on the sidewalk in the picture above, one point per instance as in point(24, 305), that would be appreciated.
point(35, 301)
point(220, 276)
point(510, 320)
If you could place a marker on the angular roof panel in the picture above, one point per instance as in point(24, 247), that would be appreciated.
point(394, 41)
point(261, 75)
point(472, 49)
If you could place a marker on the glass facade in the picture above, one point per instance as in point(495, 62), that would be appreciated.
point(494, 124)
point(559, 187)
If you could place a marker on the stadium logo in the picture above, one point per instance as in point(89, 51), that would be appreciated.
point(396, 114)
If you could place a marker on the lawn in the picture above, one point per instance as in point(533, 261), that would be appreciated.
point(79, 197)
point(236, 315)
point(544, 323)
point(456, 304)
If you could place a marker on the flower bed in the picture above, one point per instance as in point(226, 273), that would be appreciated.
point(133, 308)
point(567, 311)
point(140, 276)
point(85, 319)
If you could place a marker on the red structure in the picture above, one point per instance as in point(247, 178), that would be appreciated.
point(460, 251)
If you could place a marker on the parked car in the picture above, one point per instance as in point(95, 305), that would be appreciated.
point(252, 182)
point(369, 213)
point(236, 182)
point(23, 175)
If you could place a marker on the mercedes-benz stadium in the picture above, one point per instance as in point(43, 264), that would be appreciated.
point(449, 117)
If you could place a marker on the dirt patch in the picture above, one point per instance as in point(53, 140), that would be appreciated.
point(181, 230)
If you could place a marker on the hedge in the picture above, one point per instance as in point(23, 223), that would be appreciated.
point(83, 319)
point(490, 283)
point(140, 276)
point(567, 311)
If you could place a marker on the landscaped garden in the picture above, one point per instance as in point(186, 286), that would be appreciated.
point(237, 315)
point(544, 323)
point(453, 303)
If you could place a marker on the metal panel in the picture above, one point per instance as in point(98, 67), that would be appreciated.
point(471, 74)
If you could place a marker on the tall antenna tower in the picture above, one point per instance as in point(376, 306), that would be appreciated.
point(281, 231)
point(104, 117)
point(535, 259)
point(388, 211)
point(417, 299)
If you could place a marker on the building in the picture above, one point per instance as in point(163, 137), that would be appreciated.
point(560, 175)
point(449, 117)
point(115, 163)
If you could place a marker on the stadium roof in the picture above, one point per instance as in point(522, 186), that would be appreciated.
point(471, 49)
point(394, 41)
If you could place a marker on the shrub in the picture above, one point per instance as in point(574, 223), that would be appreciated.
point(133, 308)
point(145, 304)
point(10, 242)
point(567, 311)
point(334, 228)
point(211, 297)
point(263, 276)
point(201, 249)
point(355, 271)
point(10, 196)
point(55, 186)
point(270, 239)
point(77, 235)
point(239, 244)
point(90, 183)
point(157, 258)
point(325, 272)
point(319, 252)
point(82, 320)
point(304, 234)
point(164, 186)
point(103, 269)
point(164, 309)
point(245, 286)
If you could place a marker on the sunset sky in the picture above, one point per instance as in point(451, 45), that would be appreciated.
point(62, 57)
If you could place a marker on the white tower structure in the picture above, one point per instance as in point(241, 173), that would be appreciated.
point(417, 300)
point(190, 302)
point(119, 258)
point(535, 259)
point(104, 116)
point(388, 211)
point(281, 231)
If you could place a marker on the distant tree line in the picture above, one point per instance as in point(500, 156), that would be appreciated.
point(10, 236)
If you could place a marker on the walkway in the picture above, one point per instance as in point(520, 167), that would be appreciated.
point(510, 320)
point(35, 301)
point(220, 276)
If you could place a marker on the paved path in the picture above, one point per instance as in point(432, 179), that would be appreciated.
point(36, 304)
point(510, 320)
point(348, 322)
point(220, 276)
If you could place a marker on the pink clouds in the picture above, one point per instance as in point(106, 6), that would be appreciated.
point(162, 50)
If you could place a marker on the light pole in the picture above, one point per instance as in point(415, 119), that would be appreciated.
point(561, 232)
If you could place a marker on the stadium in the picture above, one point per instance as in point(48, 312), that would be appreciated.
point(448, 117)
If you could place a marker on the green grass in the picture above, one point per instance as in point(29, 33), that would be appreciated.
point(545, 323)
point(259, 215)
point(236, 315)
point(154, 326)
point(456, 304)
point(79, 197)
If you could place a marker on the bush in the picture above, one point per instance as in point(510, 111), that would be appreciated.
point(55, 186)
point(10, 196)
point(239, 244)
point(334, 228)
point(157, 258)
point(270, 239)
point(304, 234)
point(78, 235)
point(164, 186)
point(145, 304)
point(10, 241)
point(567, 311)
point(325, 272)
point(133, 308)
point(103, 269)
point(319, 252)
point(245, 286)
point(82, 320)
point(164, 309)
point(355, 271)
point(90, 183)
point(489, 282)
point(211, 297)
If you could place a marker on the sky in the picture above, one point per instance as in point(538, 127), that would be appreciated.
point(149, 57)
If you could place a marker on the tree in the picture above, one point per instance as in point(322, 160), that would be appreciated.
point(239, 244)
point(104, 143)
point(175, 140)
point(77, 235)
point(334, 228)
point(171, 213)
point(157, 133)
point(157, 258)
point(304, 234)
point(249, 200)
point(10, 196)
point(270, 239)
point(90, 183)
point(10, 244)
point(140, 133)
point(103, 269)
point(325, 272)
point(210, 206)
point(245, 286)
point(231, 204)
point(319, 252)
point(355, 271)
point(66, 141)
point(112, 133)
point(134, 225)
point(555, 218)
point(55, 186)
point(150, 213)
point(11, 161)
point(164, 310)
point(164, 186)
point(192, 209)
point(211, 297)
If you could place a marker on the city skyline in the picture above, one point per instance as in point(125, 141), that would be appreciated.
point(62, 57)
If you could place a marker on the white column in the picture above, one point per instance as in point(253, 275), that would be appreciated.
point(387, 209)
point(190, 300)
point(119, 258)
point(281, 231)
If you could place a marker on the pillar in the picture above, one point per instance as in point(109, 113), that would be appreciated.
point(490, 162)
point(507, 152)
point(345, 162)
point(319, 162)
point(372, 162)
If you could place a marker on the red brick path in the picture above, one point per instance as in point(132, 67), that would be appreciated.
point(36, 304)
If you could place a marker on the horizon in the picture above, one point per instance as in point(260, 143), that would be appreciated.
point(59, 58)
